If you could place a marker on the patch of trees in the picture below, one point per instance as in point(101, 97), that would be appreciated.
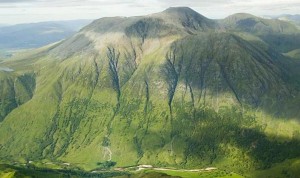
point(106, 165)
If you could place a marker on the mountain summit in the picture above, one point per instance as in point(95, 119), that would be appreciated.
point(183, 13)
point(168, 89)
point(188, 18)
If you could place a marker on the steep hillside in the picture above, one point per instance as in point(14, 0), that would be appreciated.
point(167, 89)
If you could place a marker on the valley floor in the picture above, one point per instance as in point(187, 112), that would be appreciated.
point(29, 170)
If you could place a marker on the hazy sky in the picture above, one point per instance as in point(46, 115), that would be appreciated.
point(23, 11)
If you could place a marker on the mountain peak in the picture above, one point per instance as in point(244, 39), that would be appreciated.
point(182, 11)
point(187, 18)
point(179, 9)
point(173, 20)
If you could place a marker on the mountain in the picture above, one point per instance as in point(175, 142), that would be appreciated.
point(290, 18)
point(171, 89)
point(253, 24)
point(38, 34)
point(280, 35)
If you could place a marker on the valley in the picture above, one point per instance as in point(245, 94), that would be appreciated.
point(34, 35)
point(29, 169)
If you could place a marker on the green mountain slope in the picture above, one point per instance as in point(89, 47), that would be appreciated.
point(152, 90)
point(250, 23)
point(280, 35)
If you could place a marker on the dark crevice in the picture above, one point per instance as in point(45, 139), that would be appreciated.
point(113, 59)
point(172, 71)
point(224, 74)
point(147, 95)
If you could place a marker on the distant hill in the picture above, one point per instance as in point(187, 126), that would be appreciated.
point(281, 35)
point(37, 34)
point(288, 17)
point(294, 19)
point(251, 23)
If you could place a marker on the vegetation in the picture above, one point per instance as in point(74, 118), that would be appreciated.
point(106, 165)
point(206, 174)
point(7, 171)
